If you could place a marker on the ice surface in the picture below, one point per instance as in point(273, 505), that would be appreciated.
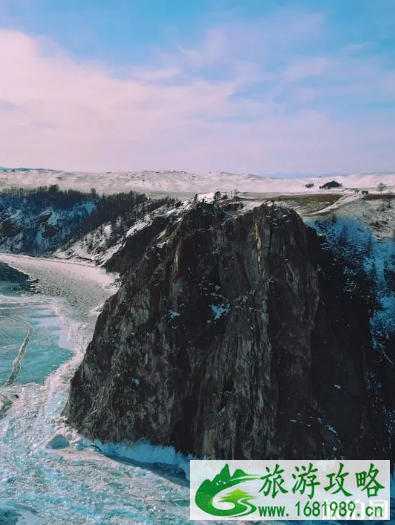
point(142, 452)
point(58, 441)
point(79, 485)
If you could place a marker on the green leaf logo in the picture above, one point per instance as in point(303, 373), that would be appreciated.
point(223, 481)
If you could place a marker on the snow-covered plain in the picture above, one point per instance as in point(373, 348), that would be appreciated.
point(182, 184)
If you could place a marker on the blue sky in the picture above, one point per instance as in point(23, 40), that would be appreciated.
point(250, 86)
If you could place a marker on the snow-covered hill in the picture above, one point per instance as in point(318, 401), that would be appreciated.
point(99, 245)
point(182, 184)
point(38, 222)
point(42, 220)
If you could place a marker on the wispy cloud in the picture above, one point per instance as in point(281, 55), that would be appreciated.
point(249, 96)
point(302, 68)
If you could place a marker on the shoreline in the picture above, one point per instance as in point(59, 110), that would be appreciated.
point(76, 294)
point(81, 286)
point(141, 453)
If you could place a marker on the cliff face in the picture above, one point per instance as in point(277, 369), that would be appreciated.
point(233, 338)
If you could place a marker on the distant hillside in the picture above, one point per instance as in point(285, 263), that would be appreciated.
point(42, 220)
point(184, 185)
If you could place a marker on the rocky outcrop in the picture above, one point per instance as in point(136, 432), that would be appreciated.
point(129, 255)
point(233, 337)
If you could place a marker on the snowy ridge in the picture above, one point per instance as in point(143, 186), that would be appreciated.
point(98, 246)
point(182, 183)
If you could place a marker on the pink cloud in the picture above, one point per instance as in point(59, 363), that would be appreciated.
point(80, 116)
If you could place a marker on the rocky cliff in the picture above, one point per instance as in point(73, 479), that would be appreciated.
point(234, 337)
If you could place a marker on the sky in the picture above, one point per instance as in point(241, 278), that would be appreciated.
point(248, 86)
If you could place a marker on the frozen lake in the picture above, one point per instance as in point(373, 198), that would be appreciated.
point(30, 333)
point(76, 484)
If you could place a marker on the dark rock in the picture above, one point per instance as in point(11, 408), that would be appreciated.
point(234, 338)
point(127, 258)
point(43, 217)
point(330, 185)
point(9, 228)
point(50, 231)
